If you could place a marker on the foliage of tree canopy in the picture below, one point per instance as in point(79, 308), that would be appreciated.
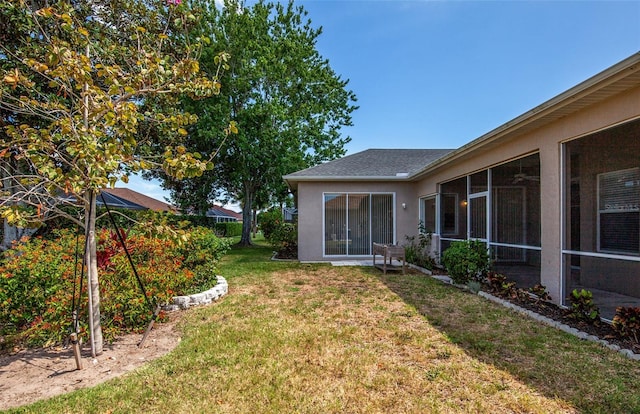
point(288, 102)
point(78, 80)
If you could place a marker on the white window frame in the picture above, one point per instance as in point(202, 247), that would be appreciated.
point(421, 211)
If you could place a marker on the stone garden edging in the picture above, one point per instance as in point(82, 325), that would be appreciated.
point(274, 257)
point(559, 325)
point(203, 298)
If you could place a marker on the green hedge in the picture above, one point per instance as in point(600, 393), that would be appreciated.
point(230, 229)
point(227, 229)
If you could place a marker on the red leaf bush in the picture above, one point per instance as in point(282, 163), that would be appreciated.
point(38, 278)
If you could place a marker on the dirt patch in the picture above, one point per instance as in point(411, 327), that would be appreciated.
point(31, 375)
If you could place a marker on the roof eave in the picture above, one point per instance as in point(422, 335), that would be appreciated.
point(292, 181)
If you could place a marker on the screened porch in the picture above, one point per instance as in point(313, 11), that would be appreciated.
point(499, 206)
point(602, 216)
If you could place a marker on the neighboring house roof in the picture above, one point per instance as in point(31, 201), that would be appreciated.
point(126, 198)
point(217, 211)
point(385, 164)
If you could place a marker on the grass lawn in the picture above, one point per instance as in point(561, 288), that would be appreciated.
point(302, 338)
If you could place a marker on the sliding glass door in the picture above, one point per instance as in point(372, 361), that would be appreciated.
point(352, 222)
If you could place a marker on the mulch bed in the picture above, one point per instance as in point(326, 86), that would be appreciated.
point(287, 253)
point(601, 329)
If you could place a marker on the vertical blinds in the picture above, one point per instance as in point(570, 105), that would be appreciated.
point(352, 222)
point(619, 211)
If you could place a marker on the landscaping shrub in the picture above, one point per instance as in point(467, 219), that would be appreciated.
point(269, 220)
point(626, 322)
point(37, 281)
point(582, 307)
point(284, 235)
point(36, 285)
point(498, 284)
point(201, 254)
point(417, 249)
point(226, 229)
point(229, 229)
point(540, 292)
point(466, 260)
point(193, 220)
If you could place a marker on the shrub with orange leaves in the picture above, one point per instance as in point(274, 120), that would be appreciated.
point(38, 278)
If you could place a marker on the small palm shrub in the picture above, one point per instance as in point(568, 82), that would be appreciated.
point(466, 260)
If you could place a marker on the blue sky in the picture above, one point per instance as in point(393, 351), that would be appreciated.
point(438, 74)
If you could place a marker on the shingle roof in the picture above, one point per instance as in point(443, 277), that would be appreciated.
point(218, 211)
point(128, 197)
point(114, 201)
point(373, 163)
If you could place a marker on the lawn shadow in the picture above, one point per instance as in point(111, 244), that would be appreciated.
point(589, 376)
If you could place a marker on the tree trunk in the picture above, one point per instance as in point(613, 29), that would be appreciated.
point(247, 208)
point(11, 234)
point(92, 276)
point(254, 223)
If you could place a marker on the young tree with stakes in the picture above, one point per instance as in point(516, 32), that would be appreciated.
point(76, 85)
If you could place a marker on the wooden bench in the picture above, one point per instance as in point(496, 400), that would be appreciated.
point(388, 252)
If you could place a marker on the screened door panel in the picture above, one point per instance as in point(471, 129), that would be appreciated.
point(478, 211)
point(508, 221)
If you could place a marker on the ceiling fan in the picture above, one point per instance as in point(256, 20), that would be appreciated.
point(520, 176)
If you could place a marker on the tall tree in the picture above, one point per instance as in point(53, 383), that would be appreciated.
point(288, 103)
point(72, 88)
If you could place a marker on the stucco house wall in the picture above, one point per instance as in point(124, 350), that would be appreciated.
point(606, 100)
point(310, 214)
